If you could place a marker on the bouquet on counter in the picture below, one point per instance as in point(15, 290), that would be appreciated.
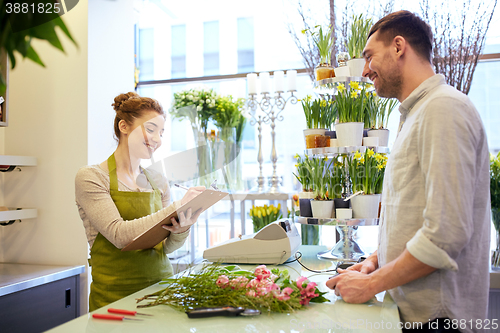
point(264, 215)
point(215, 286)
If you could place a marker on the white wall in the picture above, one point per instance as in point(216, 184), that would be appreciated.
point(48, 119)
point(110, 70)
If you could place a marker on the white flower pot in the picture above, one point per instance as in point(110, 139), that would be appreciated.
point(382, 134)
point(365, 206)
point(342, 71)
point(322, 208)
point(306, 195)
point(349, 134)
point(313, 131)
point(371, 141)
point(356, 66)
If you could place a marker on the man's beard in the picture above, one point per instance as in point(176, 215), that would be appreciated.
point(390, 85)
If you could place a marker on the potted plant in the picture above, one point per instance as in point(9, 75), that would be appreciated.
point(495, 205)
point(337, 184)
point(366, 173)
point(378, 124)
point(350, 103)
point(321, 205)
point(320, 115)
point(324, 42)
point(304, 178)
point(356, 41)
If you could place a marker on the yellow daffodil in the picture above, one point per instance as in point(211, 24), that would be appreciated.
point(303, 31)
point(296, 156)
point(322, 103)
point(362, 160)
point(308, 98)
point(354, 85)
point(354, 94)
point(341, 87)
point(357, 155)
point(374, 93)
point(380, 166)
point(378, 157)
point(370, 153)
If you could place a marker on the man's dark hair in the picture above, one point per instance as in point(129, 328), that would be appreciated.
point(409, 26)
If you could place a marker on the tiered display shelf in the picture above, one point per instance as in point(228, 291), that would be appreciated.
point(346, 249)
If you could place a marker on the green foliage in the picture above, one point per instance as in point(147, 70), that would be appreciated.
point(350, 102)
point(358, 34)
point(303, 174)
point(200, 289)
point(366, 171)
point(20, 42)
point(319, 113)
point(324, 42)
point(378, 110)
point(495, 189)
point(319, 169)
point(337, 179)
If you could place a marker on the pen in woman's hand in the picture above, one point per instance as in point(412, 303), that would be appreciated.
point(183, 187)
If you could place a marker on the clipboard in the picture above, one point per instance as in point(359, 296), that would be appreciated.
point(154, 235)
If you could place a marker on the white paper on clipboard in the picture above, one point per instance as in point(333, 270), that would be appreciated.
point(154, 235)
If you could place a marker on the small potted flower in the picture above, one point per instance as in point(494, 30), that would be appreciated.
point(366, 172)
point(356, 41)
point(495, 205)
point(321, 205)
point(383, 108)
point(324, 42)
point(320, 115)
point(350, 103)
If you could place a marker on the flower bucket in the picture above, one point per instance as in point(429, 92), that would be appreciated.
point(309, 135)
point(349, 134)
point(305, 203)
point(365, 206)
point(322, 208)
point(356, 66)
point(382, 134)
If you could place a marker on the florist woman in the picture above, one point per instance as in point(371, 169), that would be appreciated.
point(118, 200)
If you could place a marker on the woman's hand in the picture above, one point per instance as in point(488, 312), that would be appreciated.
point(185, 221)
point(191, 193)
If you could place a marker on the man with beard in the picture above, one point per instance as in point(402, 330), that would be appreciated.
point(434, 241)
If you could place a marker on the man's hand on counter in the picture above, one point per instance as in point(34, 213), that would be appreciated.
point(352, 285)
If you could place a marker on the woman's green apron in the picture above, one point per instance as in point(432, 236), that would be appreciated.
point(116, 274)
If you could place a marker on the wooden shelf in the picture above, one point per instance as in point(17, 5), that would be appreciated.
point(22, 214)
point(20, 161)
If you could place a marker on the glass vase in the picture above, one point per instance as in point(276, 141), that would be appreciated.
point(227, 158)
point(204, 160)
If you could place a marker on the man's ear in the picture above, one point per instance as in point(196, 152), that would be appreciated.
point(399, 44)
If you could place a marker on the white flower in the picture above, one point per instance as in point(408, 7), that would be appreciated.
point(199, 108)
point(208, 100)
point(201, 102)
point(212, 105)
point(190, 97)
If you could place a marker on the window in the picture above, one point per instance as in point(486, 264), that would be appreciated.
point(146, 54)
point(178, 52)
point(245, 45)
point(211, 48)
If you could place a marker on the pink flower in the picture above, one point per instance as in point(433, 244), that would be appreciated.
point(310, 290)
point(222, 281)
point(261, 272)
point(239, 282)
point(253, 284)
point(300, 281)
point(288, 291)
point(304, 301)
point(251, 293)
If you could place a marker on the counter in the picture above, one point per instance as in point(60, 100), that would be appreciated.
point(35, 298)
point(378, 315)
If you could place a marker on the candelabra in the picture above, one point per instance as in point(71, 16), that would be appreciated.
point(267, 106)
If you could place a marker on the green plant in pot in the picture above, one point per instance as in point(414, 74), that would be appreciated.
point(366, 174)
point(337, 183)
point(350, 104)
point(320, 114)
point(377, 115)
point(356, 41)
point(324, 41)
point(495, 204)
point(321, 205)
point(19, 41)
